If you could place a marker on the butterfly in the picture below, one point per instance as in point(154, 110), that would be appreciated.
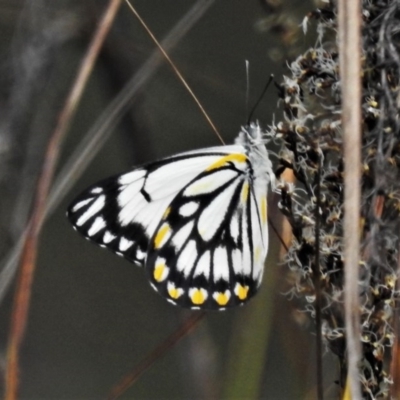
point(197, 221)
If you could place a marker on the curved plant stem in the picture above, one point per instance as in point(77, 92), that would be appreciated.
point(19, 314)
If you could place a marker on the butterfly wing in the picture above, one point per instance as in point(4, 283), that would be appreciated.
point(121, 213)
point(209, 247)
point(197, 221)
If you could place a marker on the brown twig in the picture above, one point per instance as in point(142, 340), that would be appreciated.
point(127, 381)
point(28, 262)
point(350, 70)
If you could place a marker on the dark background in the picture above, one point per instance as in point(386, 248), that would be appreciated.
point(93, 316)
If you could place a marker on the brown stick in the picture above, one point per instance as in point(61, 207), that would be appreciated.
point(350, 71)
point(28, 262)
point(127, 381)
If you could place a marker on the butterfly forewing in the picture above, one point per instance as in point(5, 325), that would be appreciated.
point(122, 212)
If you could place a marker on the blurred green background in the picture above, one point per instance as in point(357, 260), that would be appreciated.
point(93, 315)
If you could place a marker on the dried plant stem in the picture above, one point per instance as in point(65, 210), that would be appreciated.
point(28, 262)
point(350, 71)
point(155, 355)
point(317, 286)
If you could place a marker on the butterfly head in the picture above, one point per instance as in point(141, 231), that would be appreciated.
point(252, 139)
point(250, 136)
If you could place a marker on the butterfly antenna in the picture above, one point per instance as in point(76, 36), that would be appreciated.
point(271, 78)
point(175, 69)
point(247, 85)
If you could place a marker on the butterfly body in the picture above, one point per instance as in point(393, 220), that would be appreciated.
point(197, 221)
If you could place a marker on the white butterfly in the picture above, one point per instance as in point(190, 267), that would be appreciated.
point(197, 221)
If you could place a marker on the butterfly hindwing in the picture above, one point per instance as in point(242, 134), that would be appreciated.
point(202, 253)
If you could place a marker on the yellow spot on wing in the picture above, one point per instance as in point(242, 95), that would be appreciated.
point(223, 160)
point(198, 297)
point(222, 298)
point(241, 291)
point(160, 272)
point(166, 213)
point(197, 188)
point(245, 192)
point(165, 228)
point(264, 210)
point(174, 292)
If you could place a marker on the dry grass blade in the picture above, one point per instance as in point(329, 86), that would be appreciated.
point(24, 284)
point(350, 69)
point(156, 354)
point(175, 69)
